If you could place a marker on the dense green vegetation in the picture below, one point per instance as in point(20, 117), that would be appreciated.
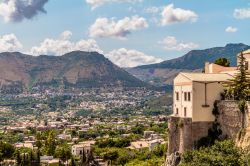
point(113, 149)
point(28, 157)
point(239, 87)
point(128, 157)
point(118, 142)
point(11, 137)
point(222, 62)
point(158, 106)
point(223, 153)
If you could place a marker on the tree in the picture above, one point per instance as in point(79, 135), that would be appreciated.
point(25, 159)
point(39, 144)
point(63, 153)
point(50, 143)
point(222, 62)
point(138, 129)
point(7, 150)
point(220, 154)
point(123, 158)
point(240, 84)
point(18, 157)
point(73, 162)
point(31, 156)
point(1, 157)
point(110, 155)
point(38, 155)
point(160, 150)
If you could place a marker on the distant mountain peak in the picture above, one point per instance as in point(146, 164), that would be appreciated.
point(196, 59)
point(163, 73)
point(75, 69)
point(236, 45)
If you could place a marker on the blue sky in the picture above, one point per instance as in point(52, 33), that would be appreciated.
point(136, 31)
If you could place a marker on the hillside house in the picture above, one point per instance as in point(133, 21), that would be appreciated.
point(24, 145)
point(139, 144)
point(79, 150)
point(82, 147)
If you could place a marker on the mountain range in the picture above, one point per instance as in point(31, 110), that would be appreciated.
point(20, 72)
point(161, 74)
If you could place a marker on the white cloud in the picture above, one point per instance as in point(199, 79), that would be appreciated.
point(17, 10)
point(231, 29)
point(66, 35)
point(152, 10)
point(122, 57)
point(171, 15)
point(9, 43)
point(171, 43)
point(64, 45)
point(104, 27)
point(242, 13)
point(96, 3)
point(131, 58)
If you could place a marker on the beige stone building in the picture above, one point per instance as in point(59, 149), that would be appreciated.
point(195, 93)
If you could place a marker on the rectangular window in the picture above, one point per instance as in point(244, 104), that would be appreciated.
point(177, 95)
point(246, 65)
point(185, 96)
point(185, 111)
point(177, 111)
point(189, 96)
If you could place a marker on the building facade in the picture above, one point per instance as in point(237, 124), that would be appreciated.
point(194, 95)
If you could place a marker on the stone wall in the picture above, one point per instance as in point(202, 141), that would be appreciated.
point(200, 129)
point(183, 133)
point(173, 135)
point(231, 119)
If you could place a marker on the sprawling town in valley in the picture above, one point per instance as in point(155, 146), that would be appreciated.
point(91, 122)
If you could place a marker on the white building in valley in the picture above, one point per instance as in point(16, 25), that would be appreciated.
point(82, 148)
